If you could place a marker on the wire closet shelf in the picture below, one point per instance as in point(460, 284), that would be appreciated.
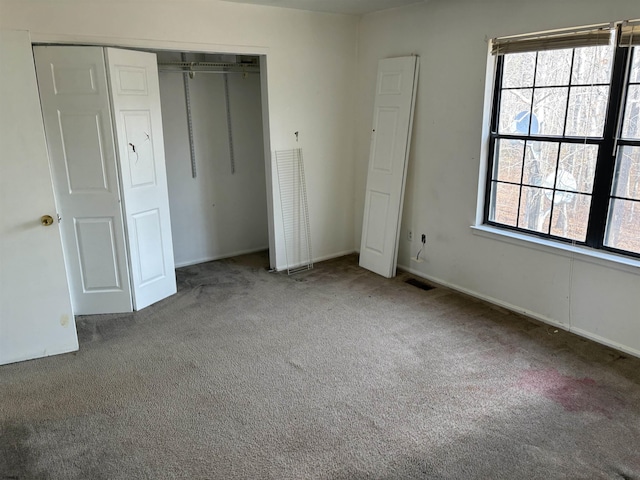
point(295, 211)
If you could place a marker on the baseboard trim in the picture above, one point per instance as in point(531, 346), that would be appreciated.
point(605, 341)
point(525, 312)
point(323, 258)
point(221, 257)
point(331, 256)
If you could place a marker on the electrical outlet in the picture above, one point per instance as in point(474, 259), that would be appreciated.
point(410, 236)
point(424, 238)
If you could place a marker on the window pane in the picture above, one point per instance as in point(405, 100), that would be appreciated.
point(623, 228)
point(627, 176)
point(570, 215)
point(554, 68)
point(631, 122)
point(634, 77)
point(587, 111)
point(539, 162)
point(504, 208)
point(549, 110)
point(579, 161)
point(508, 160)
point(518, 70)
point(592, 65)
point(515, 111)
point(535, 208)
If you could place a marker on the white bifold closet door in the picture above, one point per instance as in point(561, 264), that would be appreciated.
point(101, 109)
point(135, 94)
point(386, 178)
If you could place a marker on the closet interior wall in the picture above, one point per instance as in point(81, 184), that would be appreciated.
point(222, 211)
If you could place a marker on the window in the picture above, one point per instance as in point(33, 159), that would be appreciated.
point(565, 138)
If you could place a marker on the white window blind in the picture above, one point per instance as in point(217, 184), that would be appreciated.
point(575, 38)
point(630, 34)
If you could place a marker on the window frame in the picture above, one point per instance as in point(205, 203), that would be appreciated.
point(609, 144)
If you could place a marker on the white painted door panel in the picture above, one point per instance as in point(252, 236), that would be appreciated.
point(36, 317)
point(138, 120)
point(77, 115)
point(391, 137)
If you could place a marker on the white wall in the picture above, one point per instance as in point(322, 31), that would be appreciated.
point(35, 308)
point(217, 214)
point(593, 299)
point(311, 68)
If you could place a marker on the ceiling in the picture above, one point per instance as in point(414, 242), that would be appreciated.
point(350, 7)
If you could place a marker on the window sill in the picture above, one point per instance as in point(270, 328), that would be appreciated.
point(606, 259)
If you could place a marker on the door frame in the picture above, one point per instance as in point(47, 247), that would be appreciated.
point(275, 226)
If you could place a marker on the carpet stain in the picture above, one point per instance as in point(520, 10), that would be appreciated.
point(114, 327)
point(573, 394)
point(16, 458)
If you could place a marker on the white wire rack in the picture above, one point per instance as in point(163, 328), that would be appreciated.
point(295, 211)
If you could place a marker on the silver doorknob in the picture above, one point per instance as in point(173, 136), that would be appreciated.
point(46, 220)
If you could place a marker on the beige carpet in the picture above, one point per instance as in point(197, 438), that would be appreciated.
point(332, 374)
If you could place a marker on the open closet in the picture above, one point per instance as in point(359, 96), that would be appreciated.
point(212, 120)
point(157, 161)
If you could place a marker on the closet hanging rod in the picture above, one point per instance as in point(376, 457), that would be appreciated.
point(209, 64)
point(224, 72)
point(208, 67)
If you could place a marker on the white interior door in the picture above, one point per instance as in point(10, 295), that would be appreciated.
point(135, 95)
point(77, 116)
point(36, 318)
point(391, 137)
